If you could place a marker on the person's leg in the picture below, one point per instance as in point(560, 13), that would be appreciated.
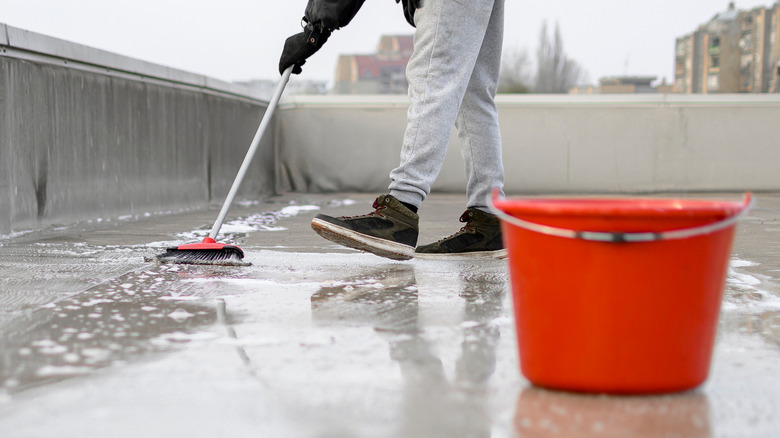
point(480, 143)
point(478, 132)
point(447, 43)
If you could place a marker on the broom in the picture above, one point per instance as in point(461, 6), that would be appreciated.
point(210, 252)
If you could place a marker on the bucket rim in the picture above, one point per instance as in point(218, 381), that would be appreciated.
point(624, 206)
point(727, 214)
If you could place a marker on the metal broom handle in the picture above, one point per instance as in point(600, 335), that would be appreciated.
point(269, 113)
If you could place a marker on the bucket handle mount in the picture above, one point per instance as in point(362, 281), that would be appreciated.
point(621, 237)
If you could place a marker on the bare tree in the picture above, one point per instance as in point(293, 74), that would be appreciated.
point(516, 75)
point(556, 73)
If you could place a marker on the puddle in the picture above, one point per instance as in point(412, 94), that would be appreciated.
point(748, 289)
point(385, 298)
point(388, 299)
point(38, 273)
point(750, 307)
point(69, 308)
point(133, 314)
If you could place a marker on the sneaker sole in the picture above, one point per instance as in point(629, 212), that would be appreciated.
point(474, 255)
point(362, 242)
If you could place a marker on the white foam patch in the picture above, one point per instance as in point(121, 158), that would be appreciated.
point(305, 260)
point(55, 371)
point(14, 235)
point(254, 341)
point(181, 298)
point(741, 280)
point(744, 292)
point(180, 315)
point(294, 210)
point(182, 337)
point(739, 263)
point(64, 252)
point(263, 221)
point(338, 203)
point(233, 281)
point(252, 283)
point(94, 355)
point(270, 228)
point(234, 227)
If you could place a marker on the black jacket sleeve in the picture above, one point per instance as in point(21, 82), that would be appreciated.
point(329, 15)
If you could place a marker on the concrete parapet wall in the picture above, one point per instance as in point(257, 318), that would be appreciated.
point(86, 133)
point(563, 144)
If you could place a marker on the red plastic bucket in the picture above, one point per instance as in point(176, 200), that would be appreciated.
point(617, 295)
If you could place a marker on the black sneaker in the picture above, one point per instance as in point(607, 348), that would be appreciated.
point(480, 238)
point(389, 231)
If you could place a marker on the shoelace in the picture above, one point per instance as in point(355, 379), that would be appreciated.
point(377, 208)
point(465, 229)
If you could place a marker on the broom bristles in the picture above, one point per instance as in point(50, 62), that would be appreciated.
point(225, 256)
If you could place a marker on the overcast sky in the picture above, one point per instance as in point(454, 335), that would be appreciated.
point(242, 39)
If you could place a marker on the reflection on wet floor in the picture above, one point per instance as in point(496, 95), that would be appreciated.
point(126, 316)
point(540, 413)
point(751, 302)
point(39, 273)
point(387, 299)
point(770, 326)
point(766, 324)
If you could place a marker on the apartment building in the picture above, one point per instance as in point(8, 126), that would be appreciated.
point(383, 72)
point(738, 51)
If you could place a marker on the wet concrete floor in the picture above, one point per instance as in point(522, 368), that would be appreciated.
point(314, 340)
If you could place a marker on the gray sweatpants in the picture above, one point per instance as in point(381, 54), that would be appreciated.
point(453, 76)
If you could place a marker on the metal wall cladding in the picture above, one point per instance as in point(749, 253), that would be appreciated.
point(78, 144)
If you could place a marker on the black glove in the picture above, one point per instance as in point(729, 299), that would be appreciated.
point(300, 47)
point(409, 7)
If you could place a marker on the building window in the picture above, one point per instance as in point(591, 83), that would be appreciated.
point(715, 42)
point(681, 49)
point(714, 61)
point(746, 42)
point(712, 83)
point(679, 68)
point(745, 61)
